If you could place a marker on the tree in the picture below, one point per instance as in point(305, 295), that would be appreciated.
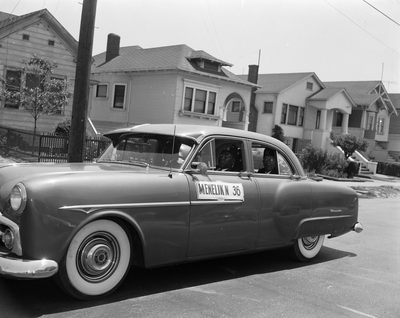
point(39, 93)
point(349, 143)
point(277, 133)
point(63, 128)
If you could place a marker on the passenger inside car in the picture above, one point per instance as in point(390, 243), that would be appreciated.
point(229, 159)
point(269, 162)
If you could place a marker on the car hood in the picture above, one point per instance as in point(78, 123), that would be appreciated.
point(11, 174)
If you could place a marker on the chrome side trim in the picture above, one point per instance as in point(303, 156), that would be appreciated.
point(17, 249)
point(218, 202)
point(90, 208)
point(27, 269)
point(321, 218)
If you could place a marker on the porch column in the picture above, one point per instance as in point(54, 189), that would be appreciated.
point(246, 120)
point(345, 124)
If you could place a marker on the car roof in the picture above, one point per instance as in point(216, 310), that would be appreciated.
point(196, 132)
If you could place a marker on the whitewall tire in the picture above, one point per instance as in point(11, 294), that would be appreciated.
point(97, 260)
point(306, 248)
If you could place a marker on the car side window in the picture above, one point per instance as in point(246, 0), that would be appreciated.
point(221, 155)
point(267, 160)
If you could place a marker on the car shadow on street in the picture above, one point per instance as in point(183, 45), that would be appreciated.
point(43, 297)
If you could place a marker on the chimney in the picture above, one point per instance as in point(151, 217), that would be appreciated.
point(253, 116)
point(112, 46)
point(253, 74)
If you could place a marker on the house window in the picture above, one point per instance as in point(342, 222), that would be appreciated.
point(188, 99)
point(380, 125)
point(292, 115)
point(101, 90)
point(370, 122)
point(32, 81)
point(301, 117)
point(25, 37)
point(212, 98)
point(309, 86)
point(13, 84)
point(284, 113)
point(318, 119)
point(51, 42)
point(199, 101)
point(119, 96)
point(235, 107)
point(292, 118)
point(211, 66)
point(58, 88)
point(268, 107)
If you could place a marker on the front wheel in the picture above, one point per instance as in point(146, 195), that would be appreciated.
point(306, 248)
point(97, 260)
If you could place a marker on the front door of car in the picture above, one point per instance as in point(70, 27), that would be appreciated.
point(224, 213)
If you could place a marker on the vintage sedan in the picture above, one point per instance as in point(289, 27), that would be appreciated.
point(160, 195)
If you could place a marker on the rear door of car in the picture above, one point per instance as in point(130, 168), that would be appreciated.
point(224, 213)
point(284, 198)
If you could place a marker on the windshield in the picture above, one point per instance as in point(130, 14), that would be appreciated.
point(149, 150)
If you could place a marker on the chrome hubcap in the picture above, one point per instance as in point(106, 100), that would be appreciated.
point(310, 242)
point(98, 257)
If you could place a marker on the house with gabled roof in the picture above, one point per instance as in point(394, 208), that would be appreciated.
point(171, 84)
point(21, 37)
point(301, 105)
point(394, 129)
point(371, 115)
point(308, 109)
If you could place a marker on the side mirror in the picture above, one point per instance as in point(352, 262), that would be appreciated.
point(198, 167)
point(202, 167)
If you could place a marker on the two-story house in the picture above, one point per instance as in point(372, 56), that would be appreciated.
point(308, 110)
point(21, 37)
point(300, 104)
point(172, 84)
point(371, 115)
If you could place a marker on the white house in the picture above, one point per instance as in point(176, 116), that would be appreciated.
point(172, 84)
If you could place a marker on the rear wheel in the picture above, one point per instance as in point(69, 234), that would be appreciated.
point(97, 260)
point(306, 248)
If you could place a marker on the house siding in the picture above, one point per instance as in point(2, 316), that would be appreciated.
point(14, 49)
point(296, 96)
point(158, 98)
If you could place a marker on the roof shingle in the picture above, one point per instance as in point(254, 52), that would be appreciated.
point(167, 58)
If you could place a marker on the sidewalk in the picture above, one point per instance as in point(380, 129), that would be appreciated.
point(376, 186)
point(376, 180)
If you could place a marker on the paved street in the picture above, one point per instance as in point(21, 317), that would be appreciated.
point(356, 275)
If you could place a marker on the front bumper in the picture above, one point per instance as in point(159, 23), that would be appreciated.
point(27, 269)
point(19, 268)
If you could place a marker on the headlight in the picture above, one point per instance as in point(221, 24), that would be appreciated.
point(18, 198)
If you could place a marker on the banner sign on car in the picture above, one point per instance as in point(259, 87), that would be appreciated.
point(219, 190)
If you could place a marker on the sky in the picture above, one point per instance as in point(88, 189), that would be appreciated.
point(338, 40)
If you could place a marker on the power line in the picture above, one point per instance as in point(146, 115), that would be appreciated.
point(381, 13)
point(362, 28)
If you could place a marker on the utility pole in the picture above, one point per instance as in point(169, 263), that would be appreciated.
point(77, 133)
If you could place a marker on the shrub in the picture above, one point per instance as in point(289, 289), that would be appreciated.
point(319, 161)
point(313, 159)
point(389, 168)
point(278, 133)
point(349, 143)
point(63, 128)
